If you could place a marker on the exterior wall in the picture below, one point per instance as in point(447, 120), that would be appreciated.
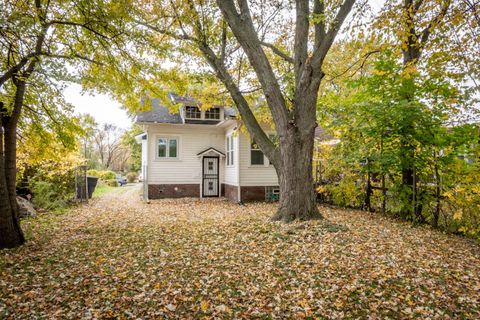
point(187, 168)
point(161, 191)
point(182, 177)
point(252, 193)
point(231, 171)
point(254, 175)
point(231, 192)
point(144, 159)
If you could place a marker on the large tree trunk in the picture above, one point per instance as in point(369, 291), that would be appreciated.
point(11, 234)
point(297, 193)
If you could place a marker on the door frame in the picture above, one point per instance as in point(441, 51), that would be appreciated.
point(202, 182)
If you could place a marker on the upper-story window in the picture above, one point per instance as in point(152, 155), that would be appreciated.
point(167, 147)
point(230, 150)
point(212, 113)
point(192, 112)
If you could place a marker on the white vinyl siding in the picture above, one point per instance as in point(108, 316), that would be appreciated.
point(254, 175)
point(187, 167)
point(231, 171)
point(230, 150)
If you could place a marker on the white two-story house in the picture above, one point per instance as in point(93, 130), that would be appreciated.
point(202, 153)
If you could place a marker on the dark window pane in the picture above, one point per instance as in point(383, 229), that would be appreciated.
point(212, 113)
point(256, 157)
point(192, 112)
point(162, 148)
point(172, 148)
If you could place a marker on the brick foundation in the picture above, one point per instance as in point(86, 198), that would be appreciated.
point(161, 191)
point(231, 192)
point(256, 193)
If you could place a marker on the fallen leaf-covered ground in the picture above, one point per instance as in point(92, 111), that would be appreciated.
point(118, 258)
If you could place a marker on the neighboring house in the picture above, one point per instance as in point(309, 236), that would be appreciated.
point(201, 153)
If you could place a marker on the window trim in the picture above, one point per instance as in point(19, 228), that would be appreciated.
point(230, 151)
point(199, 112)
point(217, 113)
point(265, 160)
point(167, 156)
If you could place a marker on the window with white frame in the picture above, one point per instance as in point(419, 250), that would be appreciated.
point(256, 155)
point(212, 113)
point(230, 150)
point(167, 147)
point(192, 112)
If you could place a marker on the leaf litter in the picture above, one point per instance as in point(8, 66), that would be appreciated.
point(120, 258)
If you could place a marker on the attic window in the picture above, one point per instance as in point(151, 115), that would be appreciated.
point(212, 113)
point(192, 112)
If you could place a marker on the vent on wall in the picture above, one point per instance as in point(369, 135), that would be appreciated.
point(272, 193)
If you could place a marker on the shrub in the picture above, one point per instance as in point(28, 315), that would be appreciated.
point(111, 182)
point(103, 174)
point(107, 175)
point(131, 177)
point(49, 196)
point(94, 173)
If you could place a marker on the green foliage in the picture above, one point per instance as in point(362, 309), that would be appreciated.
point(384, 130)
point(131, 177)
point(94, 173)
point(48, 196)
point(111, 182)
point(129, 141)
point(52, 182)
point(104, 175)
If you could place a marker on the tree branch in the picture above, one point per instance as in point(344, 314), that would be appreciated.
point(277, 51)
point(243, 29)
point(326, 43)
point(435, 21)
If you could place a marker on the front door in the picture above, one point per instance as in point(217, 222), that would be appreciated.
point(210, 177)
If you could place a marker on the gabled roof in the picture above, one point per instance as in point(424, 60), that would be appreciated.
point(162, 114)
point(211, 149)
point(159, 114)
point(186, 100)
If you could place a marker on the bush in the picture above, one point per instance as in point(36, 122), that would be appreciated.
point(49, 196)
point(131, 177)
point(93, 173)
point(111, 182)
point(107, 175)
point(103, 175)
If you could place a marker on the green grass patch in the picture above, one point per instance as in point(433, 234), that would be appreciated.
point(102, 189)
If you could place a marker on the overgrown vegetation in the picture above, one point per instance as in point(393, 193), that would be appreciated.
point(365, 169)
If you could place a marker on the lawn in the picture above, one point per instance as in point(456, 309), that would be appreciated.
point(119, 258)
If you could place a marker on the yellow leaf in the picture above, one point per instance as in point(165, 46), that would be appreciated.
point(457, 215)
point(204, 305)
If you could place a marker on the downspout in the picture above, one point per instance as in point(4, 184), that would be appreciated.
point(147, 169)
point(237, 159)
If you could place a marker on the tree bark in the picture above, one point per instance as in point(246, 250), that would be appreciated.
point(11, 234)
point(294, 117)
point(295, 175)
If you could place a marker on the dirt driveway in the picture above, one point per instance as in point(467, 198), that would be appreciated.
point(118, 257)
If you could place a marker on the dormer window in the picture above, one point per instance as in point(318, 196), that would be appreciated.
point(212, 113)
point(192, 112)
